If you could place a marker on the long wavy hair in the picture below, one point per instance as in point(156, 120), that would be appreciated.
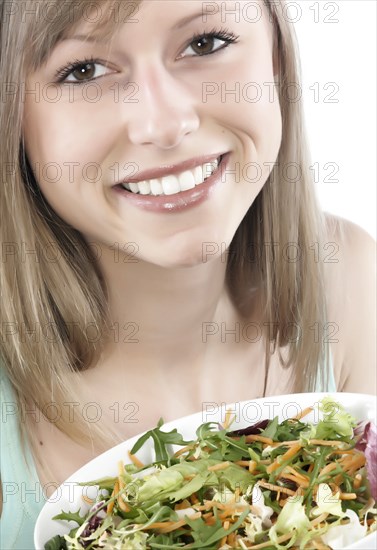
point(43, 299)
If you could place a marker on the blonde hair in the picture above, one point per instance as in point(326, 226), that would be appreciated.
point(37, 292)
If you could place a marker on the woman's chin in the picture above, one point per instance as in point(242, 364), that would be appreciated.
point(182, 257)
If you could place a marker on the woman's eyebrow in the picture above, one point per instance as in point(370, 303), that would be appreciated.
point(83, 37)
point(204, 13)
point(190, 18)
point(183, 22)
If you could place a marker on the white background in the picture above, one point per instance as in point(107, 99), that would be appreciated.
point(344, 133)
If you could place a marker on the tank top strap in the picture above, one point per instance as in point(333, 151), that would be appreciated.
point(328, 368)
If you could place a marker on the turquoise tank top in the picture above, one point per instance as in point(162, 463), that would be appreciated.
point(23, 497)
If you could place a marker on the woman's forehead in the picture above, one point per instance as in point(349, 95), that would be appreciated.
point(102, 19)
point(106, 16)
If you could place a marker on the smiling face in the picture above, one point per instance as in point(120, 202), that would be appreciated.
point(178, 86)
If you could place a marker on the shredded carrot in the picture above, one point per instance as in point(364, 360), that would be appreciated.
point(303, 413)
point(356, 463)
point(230, 511)
point(232, 540)
point(135, 460)
point(334, 488)
point(252, 466)
point(183, 450)
point(168, 526)
point(289, 454)
point(220, 466)
point(357, 481)
point(242, 462)
point(251, 438)
point(276, 488)
point(120, 467)
point(223, 541)
point(87, 499)
point(182, 505)
point(294, 472)
point(348, 496)
point(328, 443)
point(228, 421)
point(211, 504)
point(122, 505)
point(319, 519)
point(285, 443)
point(194, 499)
point(226, 527)
point(329, 468)
point(342, 452)
point(178, 524)
point(298, 480)
point(339, 479)
point(210, 519)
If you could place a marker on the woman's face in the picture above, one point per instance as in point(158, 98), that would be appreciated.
point(165, 98)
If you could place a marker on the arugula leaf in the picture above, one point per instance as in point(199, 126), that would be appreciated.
point(270, 431)
point(56, 543)
point(209, 534)
point(160, 440)
point(102, 483)
point(71, 516)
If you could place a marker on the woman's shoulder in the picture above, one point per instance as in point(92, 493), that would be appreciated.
point(349, 259)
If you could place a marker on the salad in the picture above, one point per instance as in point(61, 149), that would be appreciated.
point(270, 486)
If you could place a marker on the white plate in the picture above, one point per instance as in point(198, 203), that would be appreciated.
point(68, 496)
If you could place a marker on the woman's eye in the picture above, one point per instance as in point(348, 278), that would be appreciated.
point(206, 44)
point(84, 71)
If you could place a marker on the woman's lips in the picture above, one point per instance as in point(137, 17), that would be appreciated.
point(179, 201)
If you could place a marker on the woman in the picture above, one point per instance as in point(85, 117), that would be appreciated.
point(162, 243)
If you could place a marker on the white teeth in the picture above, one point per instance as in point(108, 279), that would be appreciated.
point(144, 187)
point(156, 187)
point(207, 170)
point(170, 185)
point(186, 181)
point(134, 187)
point(198, 175)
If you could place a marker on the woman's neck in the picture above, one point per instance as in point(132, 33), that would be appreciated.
point(168, 312)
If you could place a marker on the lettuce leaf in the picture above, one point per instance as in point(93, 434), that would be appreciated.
point(367, 443)
point(292, 519)
point(337, 423)
point(327, 502)
point(339, 537)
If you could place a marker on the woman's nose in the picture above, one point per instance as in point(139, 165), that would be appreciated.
point(163, 113)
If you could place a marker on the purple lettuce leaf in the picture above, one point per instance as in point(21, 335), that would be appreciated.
point(95, 521)
point(367, 443)
point(255, 429)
